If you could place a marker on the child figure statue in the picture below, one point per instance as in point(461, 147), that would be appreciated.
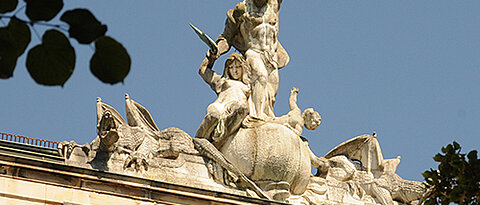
point(295, 119)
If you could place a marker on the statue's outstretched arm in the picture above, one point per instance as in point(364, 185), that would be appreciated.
point(231, 30)
point(292, 101)
point(206, 72)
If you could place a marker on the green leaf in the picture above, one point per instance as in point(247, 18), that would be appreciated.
point(456, 146)
point(14, 39)
point(427, 175)
point(7, 6)
point(19, 35)
point(449, 149)
point(43, 10)
point(438, 157)
point(83, 25)
point(457, 181)
point(8, 59)
point(111, 62)
point(53, 61)
point(472, 156)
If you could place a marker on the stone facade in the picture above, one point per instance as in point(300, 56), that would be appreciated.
point(33, 179)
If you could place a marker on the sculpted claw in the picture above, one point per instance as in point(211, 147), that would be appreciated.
point(137, 161)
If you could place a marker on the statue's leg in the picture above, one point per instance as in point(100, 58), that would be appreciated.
point(258, 77)
point(210, 122)
point(272, 88)
point(236, 113)
point(207, 126)
point(219, 131)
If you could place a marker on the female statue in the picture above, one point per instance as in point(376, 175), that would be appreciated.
point(225, 115)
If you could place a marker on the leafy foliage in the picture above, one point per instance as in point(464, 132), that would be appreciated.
point(53, 61)
point(8, 5)
point(14, 39)
point(43, 10)
point(457, 179)
point(111, 62)
point(83, 25)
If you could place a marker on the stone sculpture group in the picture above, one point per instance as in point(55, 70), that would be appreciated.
point(241, 147)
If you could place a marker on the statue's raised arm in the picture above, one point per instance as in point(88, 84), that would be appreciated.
point(207, 74)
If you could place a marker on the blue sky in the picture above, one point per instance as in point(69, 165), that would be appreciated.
point(409, 70)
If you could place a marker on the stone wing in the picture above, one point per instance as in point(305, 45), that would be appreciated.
point(364, 148)
point(138, 116)
point(102, 108)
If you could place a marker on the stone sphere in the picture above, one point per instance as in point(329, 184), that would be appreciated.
point(270, 152)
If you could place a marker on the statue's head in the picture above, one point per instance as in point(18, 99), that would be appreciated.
point(235, 67)
point(311, 118)
point(107, 123)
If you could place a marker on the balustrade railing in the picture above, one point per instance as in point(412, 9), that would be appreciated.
point(28, 140)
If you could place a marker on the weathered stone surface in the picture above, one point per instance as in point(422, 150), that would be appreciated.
point(24, 180)
point(344, 182)
point(139, 149)
point(269, 153)
point(241, 146)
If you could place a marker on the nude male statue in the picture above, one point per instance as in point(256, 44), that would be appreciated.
point(252, 28)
